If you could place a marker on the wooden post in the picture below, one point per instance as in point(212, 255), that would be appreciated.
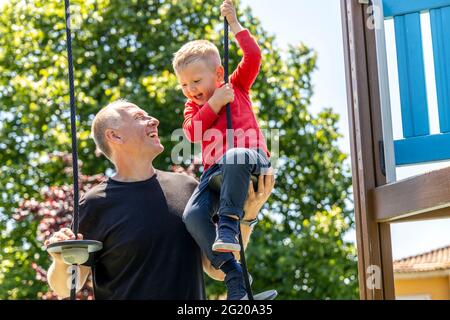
point(375, 268)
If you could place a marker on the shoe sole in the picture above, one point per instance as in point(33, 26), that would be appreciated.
point(226, 247)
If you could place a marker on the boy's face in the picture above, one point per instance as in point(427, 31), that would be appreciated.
point(198, 81)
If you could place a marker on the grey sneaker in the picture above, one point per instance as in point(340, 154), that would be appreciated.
point(227, 238)
point(222, 245)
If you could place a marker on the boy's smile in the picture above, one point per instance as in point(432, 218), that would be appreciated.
point(198, 81)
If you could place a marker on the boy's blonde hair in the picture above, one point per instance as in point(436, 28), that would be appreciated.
point(194, 51)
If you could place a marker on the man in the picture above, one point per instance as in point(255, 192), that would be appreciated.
point(137, 214)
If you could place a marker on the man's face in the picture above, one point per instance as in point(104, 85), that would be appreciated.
point(198, 81)
point(139, 132)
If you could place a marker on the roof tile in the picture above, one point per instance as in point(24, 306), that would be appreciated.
point(438, 259)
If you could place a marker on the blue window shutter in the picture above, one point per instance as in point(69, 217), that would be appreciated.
point(435, 147)
point(440, 30)
point(411, 73)
point(399, 7)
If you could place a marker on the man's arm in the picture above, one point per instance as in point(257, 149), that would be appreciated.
point(59, 273)
point(59, 278)
point(212, 272)
point(253, 204)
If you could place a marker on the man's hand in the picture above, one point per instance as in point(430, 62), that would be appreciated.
point(228, 11)
point(62, 235)
point(58, 277)
point(255, 200)
point(221, 97)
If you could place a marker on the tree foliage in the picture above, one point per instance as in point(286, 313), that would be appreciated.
point(124, 49)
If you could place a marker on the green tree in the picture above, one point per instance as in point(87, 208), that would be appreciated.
point(124, 49)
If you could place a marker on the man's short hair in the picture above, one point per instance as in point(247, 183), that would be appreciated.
point(106, 118)
point(195, 51)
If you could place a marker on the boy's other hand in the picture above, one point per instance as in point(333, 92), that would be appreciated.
point(228, 11)
point(221, 97)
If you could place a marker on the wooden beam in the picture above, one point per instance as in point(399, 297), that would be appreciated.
point(382, 231)
point(426, 196)
point(431, 215)
point(373, 240)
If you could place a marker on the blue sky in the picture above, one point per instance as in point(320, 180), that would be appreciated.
point(318, 24)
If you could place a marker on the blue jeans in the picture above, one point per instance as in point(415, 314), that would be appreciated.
point(236, 167)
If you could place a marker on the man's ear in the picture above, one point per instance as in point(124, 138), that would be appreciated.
point(112, 136)
point(219, 74)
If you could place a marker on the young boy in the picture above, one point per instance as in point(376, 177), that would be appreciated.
point(200, 73)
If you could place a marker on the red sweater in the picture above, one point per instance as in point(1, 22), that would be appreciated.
point(202, 124)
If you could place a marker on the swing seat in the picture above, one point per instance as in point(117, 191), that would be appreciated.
point(215, 181)
point(75, 251)
point(266, 295)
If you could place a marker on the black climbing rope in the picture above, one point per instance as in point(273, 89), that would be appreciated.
point(230, 145)
point(73, 126)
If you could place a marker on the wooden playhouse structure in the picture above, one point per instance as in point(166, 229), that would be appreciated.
point(379, 197)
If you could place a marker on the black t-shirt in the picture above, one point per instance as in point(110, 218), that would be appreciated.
point(147, 251)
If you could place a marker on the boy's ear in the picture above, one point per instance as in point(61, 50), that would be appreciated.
point(219, 74)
